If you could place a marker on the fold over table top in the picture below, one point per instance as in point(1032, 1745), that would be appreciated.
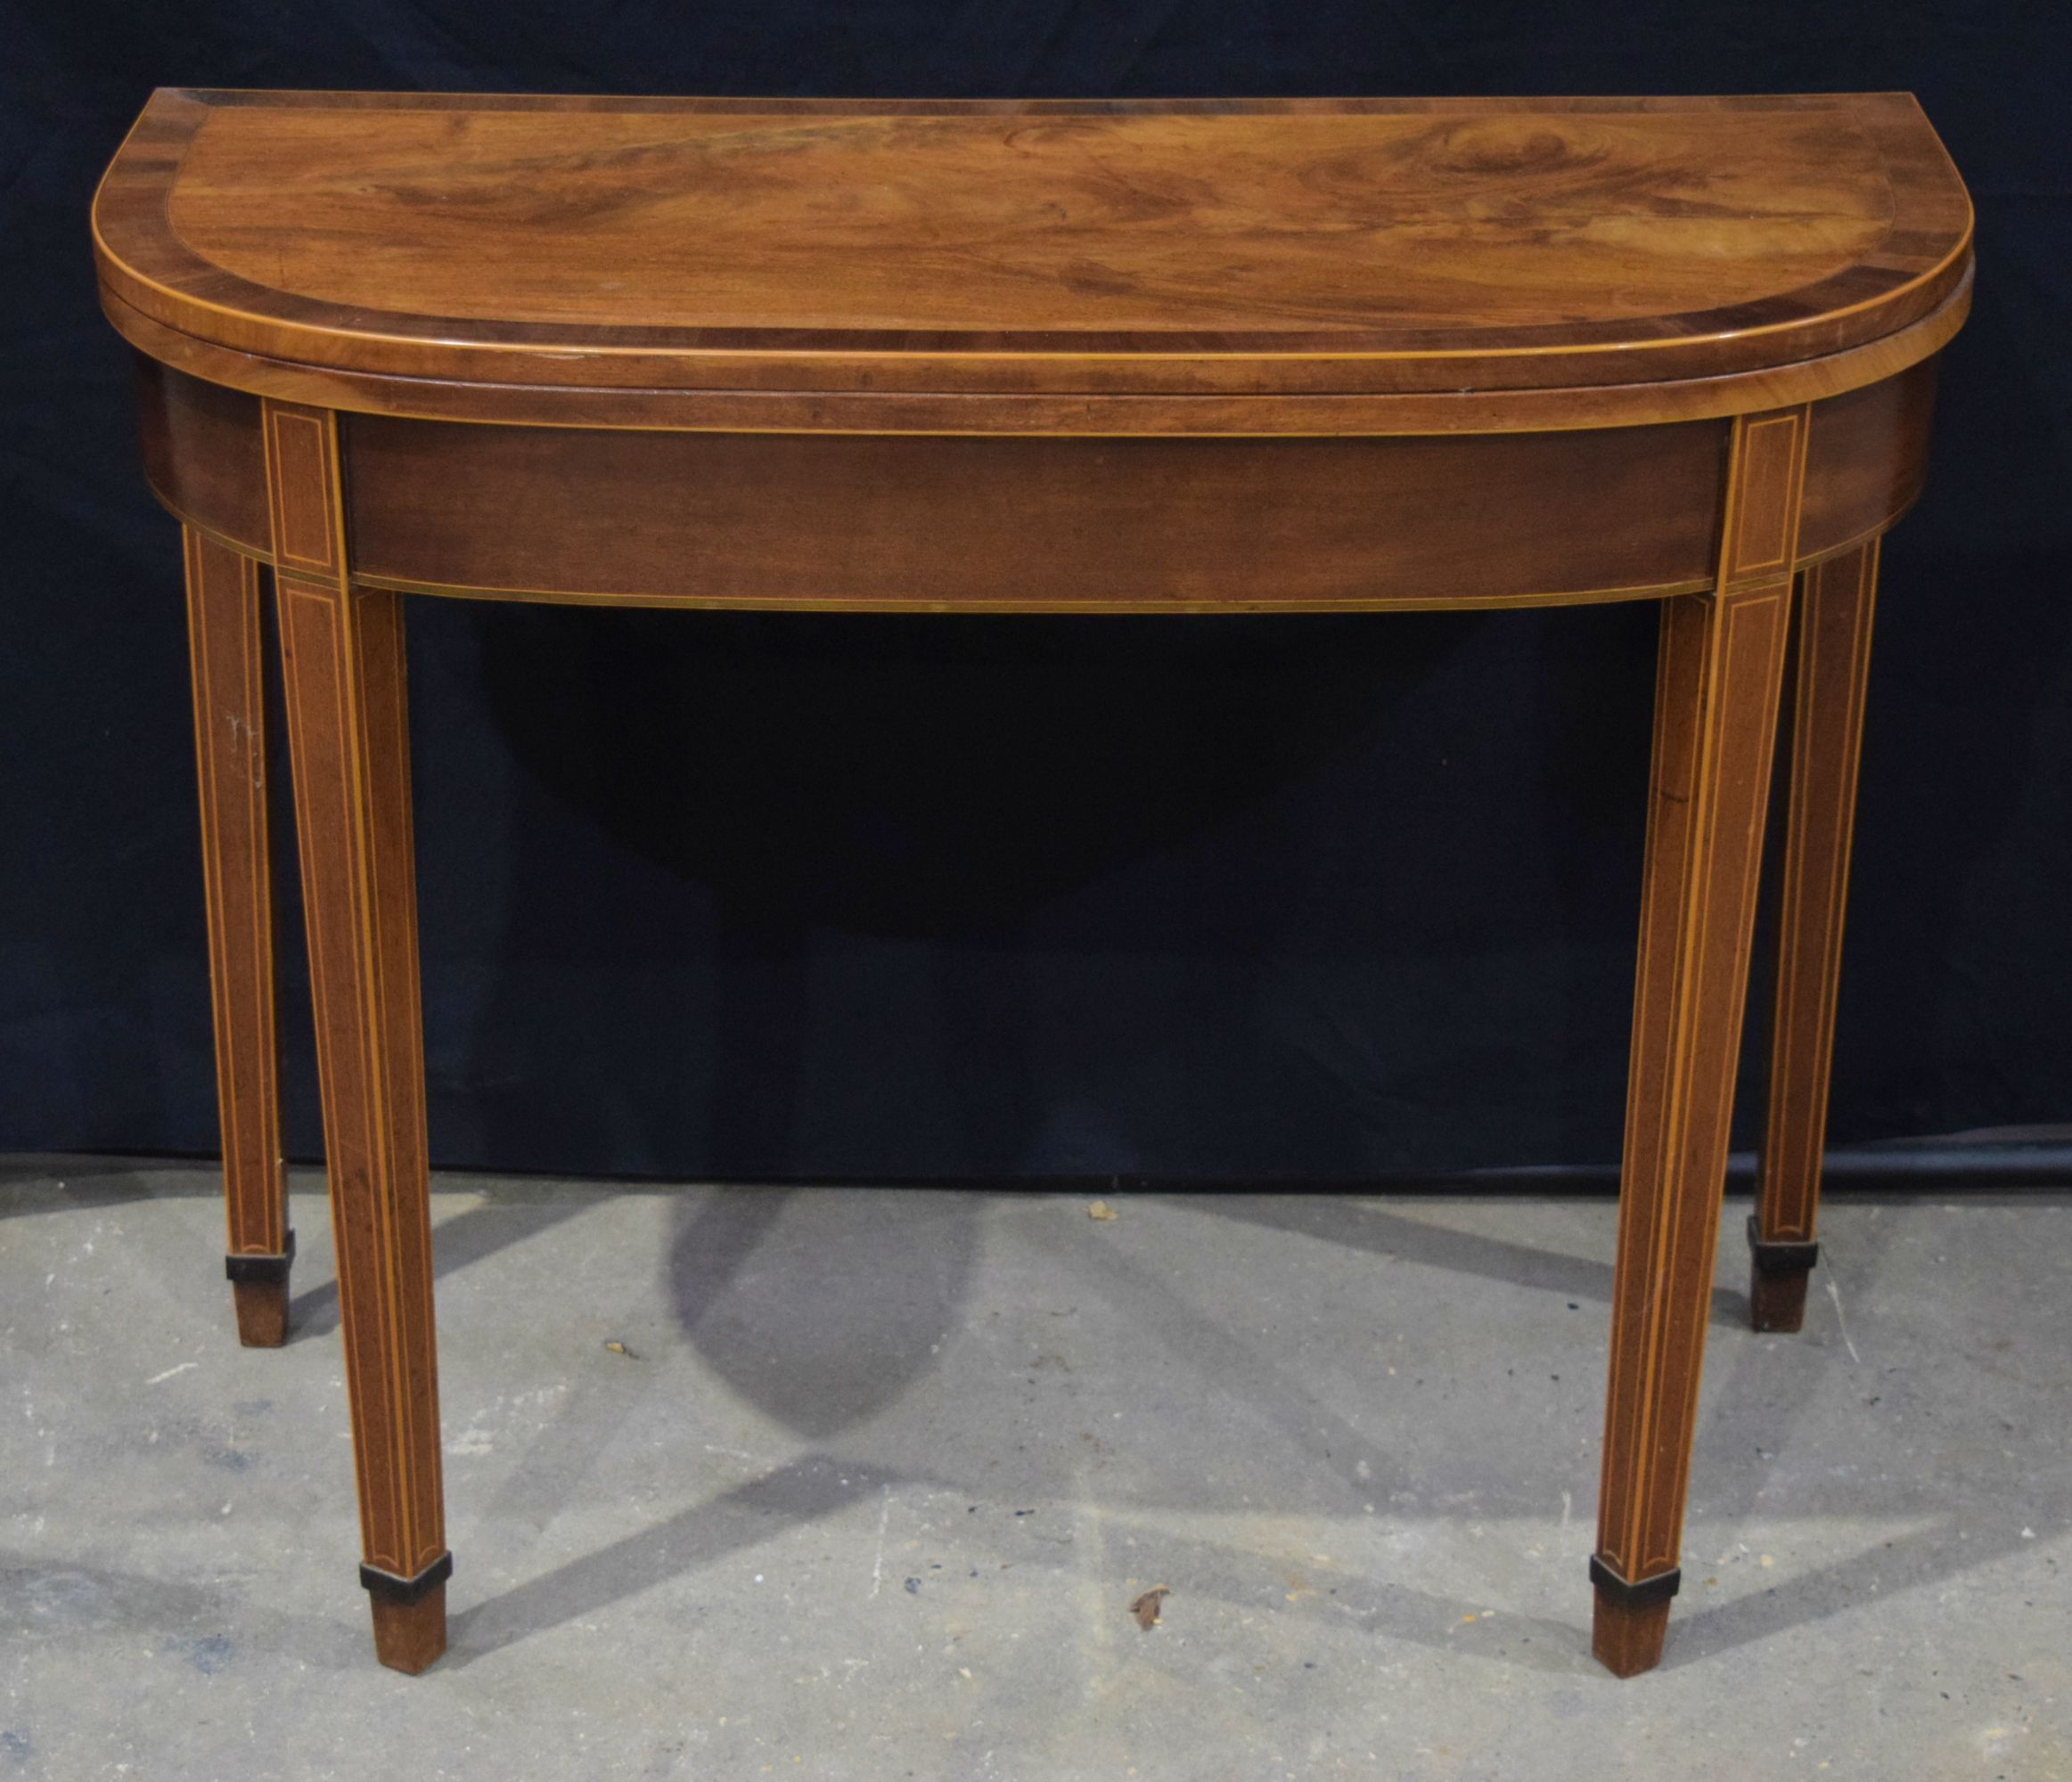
point(958, 259)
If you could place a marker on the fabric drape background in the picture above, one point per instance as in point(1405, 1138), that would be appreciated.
point(720, 896)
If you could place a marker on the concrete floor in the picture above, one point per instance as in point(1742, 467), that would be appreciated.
point(872, 1489)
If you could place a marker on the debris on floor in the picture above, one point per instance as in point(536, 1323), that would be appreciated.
point(1100, 1209)
point(1145, 1608)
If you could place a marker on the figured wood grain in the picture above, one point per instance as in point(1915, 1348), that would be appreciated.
point(1258, 413)
point(203, 456)
point(342, 654)
point(1831, 669)
point(1715, 717)
point(637, 515)
point(227, 641)
point(1032, 525)
point(1031, 248)
point(1867, 459)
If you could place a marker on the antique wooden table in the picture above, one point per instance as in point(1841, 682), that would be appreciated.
point(970, 357)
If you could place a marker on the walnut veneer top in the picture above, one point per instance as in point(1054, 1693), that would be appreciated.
point(363, 248)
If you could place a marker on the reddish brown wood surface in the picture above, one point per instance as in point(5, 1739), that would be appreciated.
point(203, 457)
point(1627, 1638)
point(1051, 525)
point(227, 641)
point(1033, 249)
point(1715, 719)
point(342, 654)
point(1228, 415)
point(1831, 668)
point(411, 1636)
point(1285, 525)
point(1867, 459)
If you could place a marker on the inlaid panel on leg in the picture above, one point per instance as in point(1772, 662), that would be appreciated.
point(1834, 660)
point(1715, 711)
point(226, 644)
point(342, 651)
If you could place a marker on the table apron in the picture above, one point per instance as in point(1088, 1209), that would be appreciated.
point(1016, 523)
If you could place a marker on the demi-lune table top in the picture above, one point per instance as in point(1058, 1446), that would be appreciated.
point(976, 256)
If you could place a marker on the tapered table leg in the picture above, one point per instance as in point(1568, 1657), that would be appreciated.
point(1715, 712)
point(226, 644)
point(1833, 661)
point(342, 652)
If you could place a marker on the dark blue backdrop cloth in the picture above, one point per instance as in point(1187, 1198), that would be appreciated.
point(728, 896)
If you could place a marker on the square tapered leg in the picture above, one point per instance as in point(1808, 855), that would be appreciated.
point(1721, 665)
point(342, 655)
point(1832, 656)
point(227, 649)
